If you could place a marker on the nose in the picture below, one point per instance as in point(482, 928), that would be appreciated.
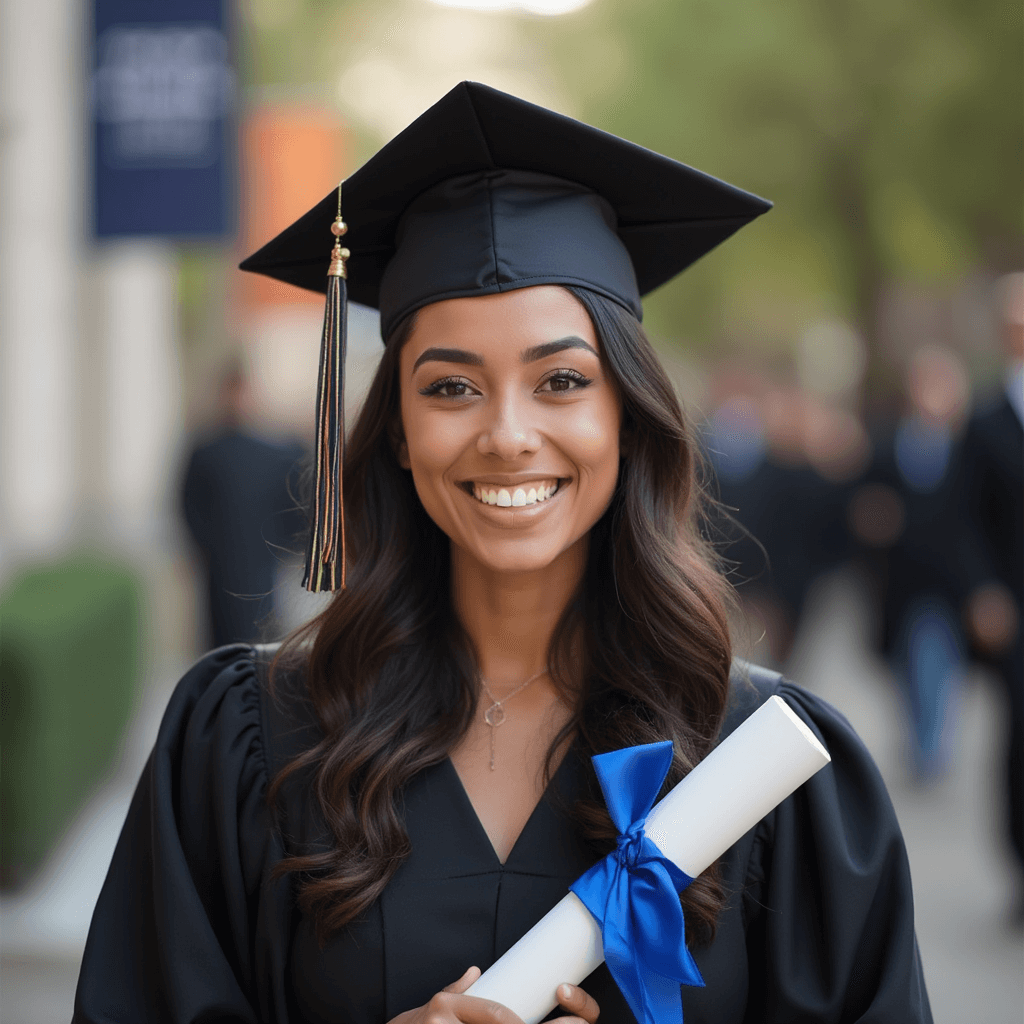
point(509, 432)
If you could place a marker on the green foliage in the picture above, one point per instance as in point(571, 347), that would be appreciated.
point(888, 133)
point(289, 42)
point(69, 660)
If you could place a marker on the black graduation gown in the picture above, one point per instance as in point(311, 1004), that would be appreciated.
point(190, 927)
point(991, 492)
point(991, 548)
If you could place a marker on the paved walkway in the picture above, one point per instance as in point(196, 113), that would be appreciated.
point(974, 964)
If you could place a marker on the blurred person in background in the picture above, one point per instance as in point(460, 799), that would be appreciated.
point(992, 549)
point(783, 460)
point(734, 442)
point(913, 484)
point(812, 451)
point(239, 505)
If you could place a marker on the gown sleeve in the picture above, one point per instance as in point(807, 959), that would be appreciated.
point(183, 930)
point(833, 939)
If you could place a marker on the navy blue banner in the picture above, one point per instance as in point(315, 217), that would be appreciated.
point(164, 100)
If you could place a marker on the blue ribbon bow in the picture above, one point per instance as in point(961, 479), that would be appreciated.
point(633, 893)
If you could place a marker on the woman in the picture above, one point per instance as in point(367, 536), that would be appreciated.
point(526, 586)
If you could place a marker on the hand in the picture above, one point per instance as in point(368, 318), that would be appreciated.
point(450, 1006)
point(583, 1008)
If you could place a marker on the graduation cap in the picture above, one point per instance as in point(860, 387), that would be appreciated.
point(486, 193)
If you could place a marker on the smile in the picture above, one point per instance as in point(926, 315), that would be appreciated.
point(527, 493)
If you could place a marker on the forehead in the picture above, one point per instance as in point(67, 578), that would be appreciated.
point(500, 325)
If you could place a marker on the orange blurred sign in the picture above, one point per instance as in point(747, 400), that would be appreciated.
point(291, 156)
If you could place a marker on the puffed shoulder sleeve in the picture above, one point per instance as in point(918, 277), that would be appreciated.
point(184, 929)
point(835, 940)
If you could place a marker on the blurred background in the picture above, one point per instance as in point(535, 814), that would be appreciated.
point(851, 361)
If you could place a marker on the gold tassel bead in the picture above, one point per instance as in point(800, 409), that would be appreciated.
point(338, 257)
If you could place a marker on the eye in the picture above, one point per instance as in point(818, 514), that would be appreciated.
point(449, 387)
point(565, 380)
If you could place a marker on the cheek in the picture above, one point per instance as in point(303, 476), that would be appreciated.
point(594, 436)
point(428, 465)
point(434, 443)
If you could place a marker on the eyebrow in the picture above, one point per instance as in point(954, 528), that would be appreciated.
point(530, 355)
point(448, 355)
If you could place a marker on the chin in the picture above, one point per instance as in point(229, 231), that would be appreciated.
point(519, 557)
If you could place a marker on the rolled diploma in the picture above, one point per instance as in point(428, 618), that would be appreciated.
point(727, 794)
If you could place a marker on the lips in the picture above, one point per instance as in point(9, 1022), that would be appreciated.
point(529, 492)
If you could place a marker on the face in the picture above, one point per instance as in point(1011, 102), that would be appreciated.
point(510, 425)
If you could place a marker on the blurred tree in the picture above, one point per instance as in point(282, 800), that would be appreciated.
point(888, 132)
point(289, 42)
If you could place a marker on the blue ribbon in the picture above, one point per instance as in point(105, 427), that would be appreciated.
point(633, 893)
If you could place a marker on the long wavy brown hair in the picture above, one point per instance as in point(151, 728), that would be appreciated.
point(642, 652)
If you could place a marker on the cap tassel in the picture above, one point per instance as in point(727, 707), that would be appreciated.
point(326, 553)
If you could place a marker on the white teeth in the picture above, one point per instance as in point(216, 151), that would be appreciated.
point(516, 498)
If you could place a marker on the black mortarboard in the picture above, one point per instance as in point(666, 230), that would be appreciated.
point(486, 193)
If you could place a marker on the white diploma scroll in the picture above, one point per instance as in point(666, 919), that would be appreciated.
point(727, 794)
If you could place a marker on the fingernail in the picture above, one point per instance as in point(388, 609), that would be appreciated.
point(565, 991)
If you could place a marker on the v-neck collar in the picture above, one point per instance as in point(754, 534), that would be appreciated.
point(475, 827)
point(452, 903)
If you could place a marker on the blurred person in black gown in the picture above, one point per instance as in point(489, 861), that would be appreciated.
point(992, 551)
point(782, 461)
point(734, 443)
point(238, 503)
point(837, 451)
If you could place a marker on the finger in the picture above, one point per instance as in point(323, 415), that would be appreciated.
point(473, 1010)
point(578, 1002)
point(460, 986)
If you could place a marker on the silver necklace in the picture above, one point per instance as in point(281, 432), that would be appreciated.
point(495, 714)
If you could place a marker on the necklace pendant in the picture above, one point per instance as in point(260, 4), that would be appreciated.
point(494, 715)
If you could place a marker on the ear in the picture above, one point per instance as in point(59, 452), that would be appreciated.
point(398, 443)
